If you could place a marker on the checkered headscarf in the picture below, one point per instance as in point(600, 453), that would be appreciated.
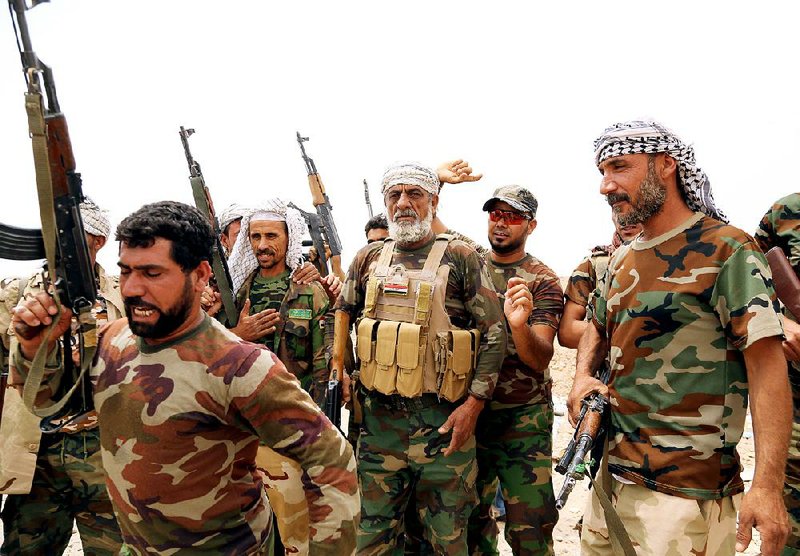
point(651, 137)
point(243, 262)
point(95, 219)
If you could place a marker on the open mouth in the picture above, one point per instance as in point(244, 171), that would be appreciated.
point(143, 312)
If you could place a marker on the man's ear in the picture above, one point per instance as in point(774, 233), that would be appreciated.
point(531, 226)
point(203, 275)
point(668, 168)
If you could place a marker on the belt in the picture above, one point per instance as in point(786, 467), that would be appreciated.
point(397, 402)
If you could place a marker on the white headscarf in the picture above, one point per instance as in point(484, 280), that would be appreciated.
point(95, 220)
point(231, 213)
point(243, 262)
point(411, 173)
point(651, 137)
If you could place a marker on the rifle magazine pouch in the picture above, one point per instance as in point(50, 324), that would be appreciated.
point(459, 367)
point(365, 349)
point(371, 296)
point(385, 350)
point(409, 361)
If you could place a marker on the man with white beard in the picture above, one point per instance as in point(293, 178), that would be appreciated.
point(430, 341)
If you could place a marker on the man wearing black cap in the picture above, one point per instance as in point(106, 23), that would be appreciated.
point(514, 441)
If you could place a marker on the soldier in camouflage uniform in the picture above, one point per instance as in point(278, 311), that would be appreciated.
point(780, 227)
point(183, 404)
point(417, 438)
point(692, 327)
point(514, 432)
point(56, 479)
point(288, 318)
point(584, 280)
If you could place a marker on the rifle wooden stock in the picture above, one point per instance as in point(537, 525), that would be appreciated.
point(341, 333)
point(317, 190)
point(785, 280)
point(59, 153)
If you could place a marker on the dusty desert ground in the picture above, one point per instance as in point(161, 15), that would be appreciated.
point(566, 537)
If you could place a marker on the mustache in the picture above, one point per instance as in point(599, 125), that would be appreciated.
point(265, 251)
point(405, 212)
point(612, 198)
point(138, 302)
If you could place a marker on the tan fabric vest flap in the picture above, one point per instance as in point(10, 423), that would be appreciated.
point(408, 344)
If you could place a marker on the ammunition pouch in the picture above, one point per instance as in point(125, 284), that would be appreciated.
point(392, 359)
point(457, 354)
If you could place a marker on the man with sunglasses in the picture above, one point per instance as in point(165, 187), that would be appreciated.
point(514, 442)
point(430, 339)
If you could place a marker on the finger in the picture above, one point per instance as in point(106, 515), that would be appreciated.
point(744, 532)
point(452, 447)
point(473, 177)
point(245, 310)
point(515, 281)
point(444, 429)
point(33, 313)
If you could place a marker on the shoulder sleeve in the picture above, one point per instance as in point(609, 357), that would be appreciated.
point(581, 283)
point(744, 299)
point(548, 301)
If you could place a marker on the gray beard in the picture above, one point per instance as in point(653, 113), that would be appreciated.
point(652, 194)
point(407, 234)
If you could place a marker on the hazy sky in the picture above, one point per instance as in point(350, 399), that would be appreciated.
point(519, 89)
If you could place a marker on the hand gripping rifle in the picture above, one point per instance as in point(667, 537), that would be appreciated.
point(324, 210)
point(202, 200)
point(587, 440)
point(69, 266)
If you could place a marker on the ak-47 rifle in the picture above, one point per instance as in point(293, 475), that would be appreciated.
point(202, 200)
point(589, 435)
point(69, 266)
point(324, 210)
point(314, 224)
point(785, 280)
point(366, 198)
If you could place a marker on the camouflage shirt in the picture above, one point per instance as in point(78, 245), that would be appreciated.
point(780, 227)
point(299, 341)
point(518, 384)
point(470, 301)
point(469, 241)
point(678, 311)
point(587, 275)
point(180, 424)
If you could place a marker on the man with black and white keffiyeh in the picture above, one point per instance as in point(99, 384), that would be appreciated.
point(689, 324)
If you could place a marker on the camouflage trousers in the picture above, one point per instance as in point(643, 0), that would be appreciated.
point(791, 487)
point(515, 446)
point(661, 524)
point(400, 459)
point(283, 479)
point(68, 485)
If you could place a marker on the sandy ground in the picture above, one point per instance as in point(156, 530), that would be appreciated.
point(565, 535)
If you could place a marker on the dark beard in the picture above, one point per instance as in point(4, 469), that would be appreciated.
point(168, 321)
point(649, 202)
point(507, 248)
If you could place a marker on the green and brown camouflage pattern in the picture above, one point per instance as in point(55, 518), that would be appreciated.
point(518, 384)
point(180, 426)
point(55, 479)
point(587, 275)
point(678, 311)
point(400, 461)
point(780, 227)
point(470, 301)
point(68, 486)
point(515, 445)
point(299, 341)
point(482, 251)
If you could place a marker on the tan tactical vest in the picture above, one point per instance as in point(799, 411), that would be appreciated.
point(405, 341)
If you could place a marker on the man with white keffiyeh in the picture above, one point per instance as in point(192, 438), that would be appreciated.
point(688, 323)
point(54, 480)
point(289, 318)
